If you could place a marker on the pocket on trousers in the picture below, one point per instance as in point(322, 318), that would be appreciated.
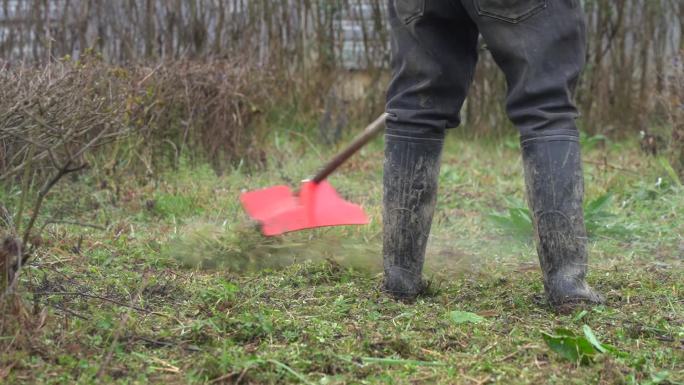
point(512, 11)
point(409, 10)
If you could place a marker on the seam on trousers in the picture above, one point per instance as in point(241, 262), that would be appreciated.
point(412, 138)
point(554, 138)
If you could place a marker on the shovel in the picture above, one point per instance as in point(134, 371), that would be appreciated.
point(316, 204)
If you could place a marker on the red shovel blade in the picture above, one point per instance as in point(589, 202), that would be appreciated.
point(318, 204)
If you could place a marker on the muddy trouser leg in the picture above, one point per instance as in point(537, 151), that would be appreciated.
point(540, 46)
point(433, 59)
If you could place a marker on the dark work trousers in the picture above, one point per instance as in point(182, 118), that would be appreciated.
point(539, 45)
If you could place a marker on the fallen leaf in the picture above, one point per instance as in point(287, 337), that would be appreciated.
point(460, 317)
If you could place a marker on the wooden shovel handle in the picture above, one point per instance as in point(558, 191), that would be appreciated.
point(350, 150)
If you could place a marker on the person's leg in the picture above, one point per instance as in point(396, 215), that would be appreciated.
point(433, 59)
point(540, 46)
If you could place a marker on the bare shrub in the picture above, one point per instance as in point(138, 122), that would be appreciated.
point(49, 120)
point(630, 42)
point(57, 119)
point(52, 115)
point(205, 106)
point(47, 113)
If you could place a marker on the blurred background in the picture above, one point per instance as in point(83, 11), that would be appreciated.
point(324, 61)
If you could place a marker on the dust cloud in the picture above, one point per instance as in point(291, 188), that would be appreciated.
point(242, 249)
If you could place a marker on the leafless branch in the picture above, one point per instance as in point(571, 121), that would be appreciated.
point(94, 296)
point(73, 223)
point(119, 330)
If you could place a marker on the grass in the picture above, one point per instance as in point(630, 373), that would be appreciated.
point(181, 288)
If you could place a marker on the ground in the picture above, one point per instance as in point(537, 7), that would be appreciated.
point(125, 302)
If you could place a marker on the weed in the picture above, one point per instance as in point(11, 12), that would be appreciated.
point(589, 142)
point(517, 222)
point(599, 220)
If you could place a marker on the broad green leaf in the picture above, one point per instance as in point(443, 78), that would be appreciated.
point(565, 332)
point(518, 222)
point(592, 338)
point(580, 315)
point(460, 317)
point(601, 347)
point(568, 345)
point(563, 345)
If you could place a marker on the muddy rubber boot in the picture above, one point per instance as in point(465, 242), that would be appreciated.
point(555, 189)
point(411, 171)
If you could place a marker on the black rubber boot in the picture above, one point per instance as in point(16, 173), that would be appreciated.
point(555, 189)
point(410, 189)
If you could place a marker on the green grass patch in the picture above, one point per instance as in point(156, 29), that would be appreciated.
point(181, 288)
